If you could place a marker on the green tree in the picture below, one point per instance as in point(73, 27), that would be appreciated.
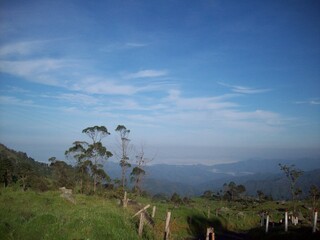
point(25, 173)
point(314, 193)
point(292, 175)
point(78, 152)
point(175, 198)
point(138, 172)
point(136, 176)
point(240, 190)
point(91, 155)
point(207, 194)
point(233, 191)
point(6, 170)
point(62, 172)
point(123, 156)
point(261, 195)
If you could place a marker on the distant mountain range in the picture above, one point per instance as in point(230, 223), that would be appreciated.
point(255, 174)
point(191, 180)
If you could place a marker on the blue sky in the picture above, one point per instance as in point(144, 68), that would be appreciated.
point(195, 81)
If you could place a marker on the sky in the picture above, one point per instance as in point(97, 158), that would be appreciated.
point(208, 81)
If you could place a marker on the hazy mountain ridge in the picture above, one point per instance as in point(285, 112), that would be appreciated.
point(189, 180)
point(255, 174)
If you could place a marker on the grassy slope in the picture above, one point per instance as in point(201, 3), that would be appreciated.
point(30, 215)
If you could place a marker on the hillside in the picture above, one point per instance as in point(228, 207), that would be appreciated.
point(48, 216)
point(17, 168)
point(99, 215)
point(186, 180)
point(193, 180)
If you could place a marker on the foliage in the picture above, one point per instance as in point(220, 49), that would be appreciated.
point(16, 168)
point(90, 156)
point(292, 175)
point(232, 191)
point(63, 173)
point(314, 195)
point(124, 158)
point(138, 172)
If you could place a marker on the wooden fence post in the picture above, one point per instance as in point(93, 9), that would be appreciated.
point(141, 210)
point(141, 224)
point(262, 220)
point(286, 221)
point(125, 200)
point(267, 224)
point(210, 234)
point(153, 211)
point(315, 219)
point(167, 228)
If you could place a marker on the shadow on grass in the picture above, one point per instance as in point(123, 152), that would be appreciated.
point(278, 233)
point(198, 227)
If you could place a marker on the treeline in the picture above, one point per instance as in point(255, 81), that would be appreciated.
point(85, 175)
point(17, 169)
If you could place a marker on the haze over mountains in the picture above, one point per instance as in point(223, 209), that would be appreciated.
point(191, 180)
point(255, 174)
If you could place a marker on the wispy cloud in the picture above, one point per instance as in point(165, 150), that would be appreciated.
point(123, 46)
point(243, 89)
point(39, 70)
point(75, 98)
point(314, 101)
point(10, 100)
point(149, 73)
point(97, 85)
point(26, 48)
point(59, 72)
point(135, 45)
point(198, 103)
point(20, 48)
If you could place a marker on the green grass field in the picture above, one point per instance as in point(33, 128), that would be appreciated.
point(32, 215)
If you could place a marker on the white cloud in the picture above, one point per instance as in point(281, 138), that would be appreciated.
point(244, 90)
point(135, 45)
point(198, 103)
point(76, 98)
point(20, 48)
point(39, 70)
point(314, 101)
point(122, 46)
point(147, 74)
point(9, 100)
point(96, 85)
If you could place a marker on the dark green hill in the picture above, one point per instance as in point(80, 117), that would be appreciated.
point(16, 168)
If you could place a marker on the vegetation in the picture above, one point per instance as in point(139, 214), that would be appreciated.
point(292, 175)
point(138, 172)
point(90, 156)
point(124, 146)
point(95, 211)
point(48, 216)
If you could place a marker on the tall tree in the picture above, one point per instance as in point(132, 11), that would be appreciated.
point(292, 174)
point(25, 173)
point(124, 146)
point(63, 173)
point(138, 172)
point(314, 193)
point(6, 170)
point(91, 154)
point(233, 191)
point(78, 152)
